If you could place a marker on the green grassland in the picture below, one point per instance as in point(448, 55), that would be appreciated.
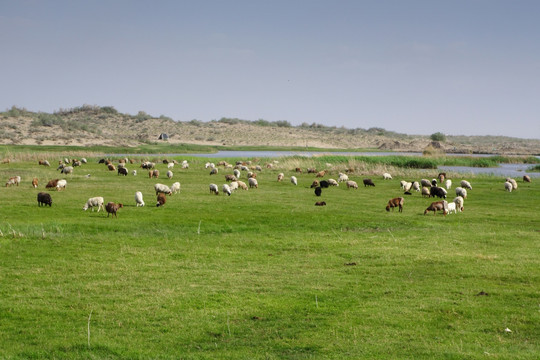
point(264, 273)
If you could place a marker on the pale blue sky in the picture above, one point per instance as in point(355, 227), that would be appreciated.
point(416, 66)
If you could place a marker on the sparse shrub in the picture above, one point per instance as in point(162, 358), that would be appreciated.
point(142, 116)
point(44, 119)
point(438, 136)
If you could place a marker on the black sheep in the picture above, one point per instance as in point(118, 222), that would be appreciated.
point(318, 191)
point(44, 198)
point(324, 184)
point(368, 182)
point(437, 191)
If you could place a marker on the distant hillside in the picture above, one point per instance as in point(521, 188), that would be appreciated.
point(94, 125)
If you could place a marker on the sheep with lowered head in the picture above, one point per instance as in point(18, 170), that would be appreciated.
point(214, 189)
point(226, 189)
point(161, 188)
point(294, 181)
point(175, 187)
point(387, 176)
point(513, 182)
point(461, 192)
point(139, 199)
point(466, 185)
point(458, 200)
point(94, 202)
point(508, 186)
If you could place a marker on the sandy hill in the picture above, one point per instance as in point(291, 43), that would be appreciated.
point(93, 125)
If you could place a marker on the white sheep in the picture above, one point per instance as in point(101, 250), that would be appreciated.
point(466, 185)
point(459, 203)
point(407, 186)
point(170, 174)
point(233, 185)
point(343, 177)
point(508, 186)
point(83, 160)
point(209, 165)
point(95, 202)
point(161, 188)
point(185, 166)
point(416, 186)
point(513, 182)
point(61, 184)
point(67, 170)
point(175, 187)
point(461, 192)
point(451, 207)
point(448, 184)
point(425, 182)
point(351, 184)
point(387, 176)
point(134, 172)
point(214, 189)
point(139, 199)
point(294, 180)
point(253, 183)
point(242, 184)
point(280, 176)
point(333, 182)
point(227, 189)
point(170, 165)
point(236, 173)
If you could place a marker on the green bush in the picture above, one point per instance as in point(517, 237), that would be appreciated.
point(438, 136)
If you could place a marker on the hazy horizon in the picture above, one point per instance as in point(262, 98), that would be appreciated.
point(417, 67)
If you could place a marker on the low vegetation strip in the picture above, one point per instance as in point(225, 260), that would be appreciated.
point(264, 273)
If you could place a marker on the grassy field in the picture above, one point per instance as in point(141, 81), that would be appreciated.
point(264, 273)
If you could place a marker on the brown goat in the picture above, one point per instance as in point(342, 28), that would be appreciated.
point(395, 202)
point(111, 167)
point(162, 199)
point(35, 182)
point(437, 205)
point(298, 170)
point(315, 183)
point(112, 208)
point(321, 173)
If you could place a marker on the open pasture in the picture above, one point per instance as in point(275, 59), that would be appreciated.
point(264, 273)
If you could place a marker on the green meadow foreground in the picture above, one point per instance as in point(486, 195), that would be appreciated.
point(264, 273)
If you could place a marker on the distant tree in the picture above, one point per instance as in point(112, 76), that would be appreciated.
point(438, 136)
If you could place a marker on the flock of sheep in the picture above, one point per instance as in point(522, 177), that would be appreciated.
point(429, 188)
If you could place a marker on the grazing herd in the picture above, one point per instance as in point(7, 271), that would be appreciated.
point(427, 188)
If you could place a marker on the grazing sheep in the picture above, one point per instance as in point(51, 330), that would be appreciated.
point(318, 191)
point(526, 178)
point(407, 186)
point(320, 203)
point(368, 182)
point(315, 183)
point(438, 192)
point(67, 170)
point(111, 167)
point(294, 180)
point(253, 183)
point(122, 171)
point(44, 163)
point(343, 177)
point(214, 171)
point(258, 168)
point(465, 184)
point(425, 182)
point(160, 188)
point(458, 200)
point(425, 191)
point(35, 182)
point(324, 184)
point(83, 160)
point(230, 177)
point(433, 182)
point(161, 199)
point(175, 187)
point(351, 184)
point(44, 198)
point(448, 184)
point(214, 189)
point(416, 186)
point(226, 189)
point(134, 172)
point(155, 173)
point(252, 175)
point(321, 173)
point(14, 180)
point(508, 186)
point(112, 208)
point(513, 182)
point(452, 207)
point(402, 184)
point(170, 165)
point(94, 202)
point(387, 176)
point(101, 161)
point(461, 192)
point(395, 202)
point(147, 165)
point(139, 199)
point(311, 171)
point(169, 174)
point(437, 205)
point(61, 184)
point(52, 184)
point(76, 163)
point(234, 185)
point(210, 165)
point(333, 182)
point(236, 173)
point(298, 170)
point(280, 177)
point(242, 185)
